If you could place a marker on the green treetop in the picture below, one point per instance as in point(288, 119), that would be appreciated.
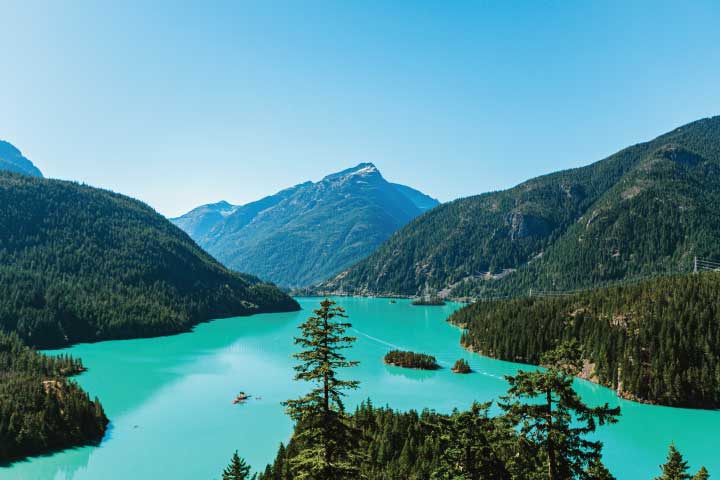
point(237, 470)
point(473, 440)
point(702, 474)
point(676, 468)
point(557, 420)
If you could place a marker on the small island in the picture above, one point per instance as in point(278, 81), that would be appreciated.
point(404, 359)
point(461, 366)
point(429, 301)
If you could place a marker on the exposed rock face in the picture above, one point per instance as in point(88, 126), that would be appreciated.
point(522, 226)
point(679, 154)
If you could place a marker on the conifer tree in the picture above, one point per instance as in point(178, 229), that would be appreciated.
point(676, 468)
point(598, 471)
point(559, 422)
point(237, 470)
point(324, 436)
point(469, 438)
point(701, 474)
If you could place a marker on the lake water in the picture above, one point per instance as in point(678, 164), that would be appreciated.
point(169, 398)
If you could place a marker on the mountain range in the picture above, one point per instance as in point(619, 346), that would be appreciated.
point(308, 232)
point(12, 160)
point(647, 210)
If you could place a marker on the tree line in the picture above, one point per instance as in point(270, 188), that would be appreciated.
point(40, 408)
point(659, 339)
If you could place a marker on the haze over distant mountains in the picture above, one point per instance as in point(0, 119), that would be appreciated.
point(646, 210)
point(308, 232)
point(12, 160)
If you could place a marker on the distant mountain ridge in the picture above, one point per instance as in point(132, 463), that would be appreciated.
point(644, 211)
point(12, 160)
point(305, 233)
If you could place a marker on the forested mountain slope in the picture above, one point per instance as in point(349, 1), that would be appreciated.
point(11, 160)
point(657, 341)
point(40, 410)
point(645, 210)
point(82, 264)
point(310, 231)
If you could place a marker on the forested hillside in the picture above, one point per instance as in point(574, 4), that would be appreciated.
point(81, 264)
point(656, 341)
point(645, 210)
point(40, 410)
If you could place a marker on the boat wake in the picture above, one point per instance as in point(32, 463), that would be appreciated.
point(375, 339)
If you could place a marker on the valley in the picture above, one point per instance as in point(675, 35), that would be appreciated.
point(72, 273)
point(360, 240)
point(148, 386)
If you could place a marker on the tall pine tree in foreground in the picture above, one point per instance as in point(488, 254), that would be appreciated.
point(557, 420)
point(323, 434)
point(237, 470)
point(676, 468)
point(701, 474)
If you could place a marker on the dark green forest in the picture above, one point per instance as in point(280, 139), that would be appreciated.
point(428, 445)
point(644, 211)
point(405, 445)
point(82, 264)
point(406, 359)
point(655, 341)
point(40, 409)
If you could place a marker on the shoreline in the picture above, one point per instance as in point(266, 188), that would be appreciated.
point(437, 367)
point(623, 395)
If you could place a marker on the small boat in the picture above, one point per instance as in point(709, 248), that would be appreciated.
point(393, 301)
point(242, 397)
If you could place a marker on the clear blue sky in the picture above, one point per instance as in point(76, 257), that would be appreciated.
point(184, 103)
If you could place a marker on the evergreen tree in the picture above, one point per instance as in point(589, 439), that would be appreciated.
point(70, 270)
point(702, 474)
point(237, 470)
point(598, 471)
point(676, 468)
point(470, 455)
point(324, 436)
point(655, 338)
point(41, 409)
point(560, 420)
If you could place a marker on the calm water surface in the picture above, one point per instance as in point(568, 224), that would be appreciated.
point(169, 398)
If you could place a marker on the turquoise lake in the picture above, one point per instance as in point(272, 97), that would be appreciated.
point(169, 399)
